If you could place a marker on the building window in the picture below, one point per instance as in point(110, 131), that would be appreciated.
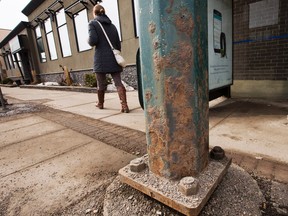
point(112, 11)
point(18, 61)
point(136, 16)
point(81, 28)
point(50, 39)
point(12, 61)
point(40, 44)
point(63, 33)
point(8, 61)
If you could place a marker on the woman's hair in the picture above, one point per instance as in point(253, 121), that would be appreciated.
point(98, 10)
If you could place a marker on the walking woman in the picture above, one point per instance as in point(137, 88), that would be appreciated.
point(104, 60)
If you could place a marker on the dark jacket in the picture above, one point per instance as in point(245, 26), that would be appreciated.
point(104, 60)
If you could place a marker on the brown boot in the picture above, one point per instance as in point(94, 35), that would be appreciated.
point(122, 95)
point(100, 103)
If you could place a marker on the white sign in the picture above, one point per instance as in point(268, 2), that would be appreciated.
point(220, 43)
point(263, 13)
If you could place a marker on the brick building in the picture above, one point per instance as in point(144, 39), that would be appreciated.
point(260, 48)
point(57, 32)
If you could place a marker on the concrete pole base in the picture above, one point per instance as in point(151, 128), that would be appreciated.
point(173, 193)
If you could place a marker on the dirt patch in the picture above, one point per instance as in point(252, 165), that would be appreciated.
point(91, 204)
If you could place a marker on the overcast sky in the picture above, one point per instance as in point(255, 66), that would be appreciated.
point(10, 13)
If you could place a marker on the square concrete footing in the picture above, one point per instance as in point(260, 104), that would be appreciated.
point(167, 191)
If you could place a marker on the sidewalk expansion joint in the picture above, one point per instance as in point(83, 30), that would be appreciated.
point(47, 159)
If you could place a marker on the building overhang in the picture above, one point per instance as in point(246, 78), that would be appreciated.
point(20, 27)
point(31, 7)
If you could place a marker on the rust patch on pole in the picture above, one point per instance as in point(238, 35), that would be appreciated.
point(169, 9)
point(158, 133)
point(148, 95)
point(152, 28)
point(180, 58)
point(184, 22)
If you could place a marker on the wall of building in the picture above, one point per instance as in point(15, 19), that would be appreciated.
point(13, 71)
point(80, 63)
point(76, 61)
point(3, 74)
point(260, 48)
point(130, 42)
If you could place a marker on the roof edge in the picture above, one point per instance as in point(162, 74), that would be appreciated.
point(20, 27)
point(32, 5)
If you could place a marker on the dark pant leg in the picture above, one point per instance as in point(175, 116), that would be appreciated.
point(117, 79)
point(101, 81)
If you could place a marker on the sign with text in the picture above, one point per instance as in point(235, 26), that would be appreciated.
point(220, 43)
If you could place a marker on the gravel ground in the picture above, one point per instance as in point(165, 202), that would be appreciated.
point(276, 197)
point(269, 198)
point(238, 194)
point(15, 107)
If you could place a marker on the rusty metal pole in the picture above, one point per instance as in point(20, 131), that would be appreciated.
point(173, 52)
point(174, 64)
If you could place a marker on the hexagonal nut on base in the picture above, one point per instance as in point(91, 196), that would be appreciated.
point(189, 186)
point(137, 165)
point(217, 153)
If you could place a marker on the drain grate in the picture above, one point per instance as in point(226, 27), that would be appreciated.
point(126, 139)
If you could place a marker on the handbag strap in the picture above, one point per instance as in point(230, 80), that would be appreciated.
point(106, 35)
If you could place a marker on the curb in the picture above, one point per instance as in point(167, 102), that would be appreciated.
point(273, 170)
point(62, 88)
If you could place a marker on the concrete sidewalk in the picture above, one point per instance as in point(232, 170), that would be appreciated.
point(61, 160)
point(255, 127)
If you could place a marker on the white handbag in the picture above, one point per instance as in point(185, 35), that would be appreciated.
point(119, 58)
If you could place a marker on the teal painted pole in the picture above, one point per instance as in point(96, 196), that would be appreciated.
point(173, 45)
